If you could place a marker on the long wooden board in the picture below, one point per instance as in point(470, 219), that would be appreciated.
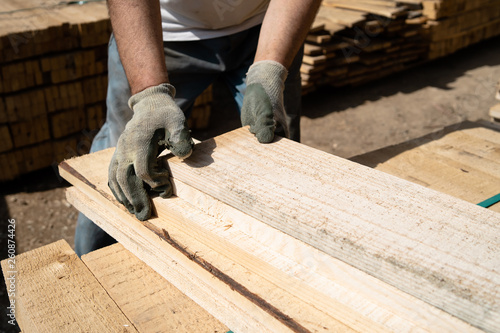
point(53, 290)
point(440, 249)
point(351, 296)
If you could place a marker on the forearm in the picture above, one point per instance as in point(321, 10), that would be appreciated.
point(137, 29)
point(284, 29)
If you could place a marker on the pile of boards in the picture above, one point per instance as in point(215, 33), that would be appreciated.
point(353, 42)
point(53, 82)
point(53, 78)
point(285, 238)
point(455, 24)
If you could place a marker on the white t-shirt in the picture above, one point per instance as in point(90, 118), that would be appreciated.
point(184, 20)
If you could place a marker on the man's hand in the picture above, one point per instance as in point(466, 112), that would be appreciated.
point(157, 122)
point(263, 106)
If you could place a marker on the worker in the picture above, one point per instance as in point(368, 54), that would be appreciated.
point(165, 53)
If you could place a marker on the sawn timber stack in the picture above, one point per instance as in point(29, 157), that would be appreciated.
point(283, 237)
point(53, 82)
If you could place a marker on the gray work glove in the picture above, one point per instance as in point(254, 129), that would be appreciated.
point(157, 123)
point(263, 106)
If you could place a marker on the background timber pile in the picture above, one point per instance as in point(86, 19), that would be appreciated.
point(353, 42)
point(53, 68)
point(53, 79)
point(455, 24)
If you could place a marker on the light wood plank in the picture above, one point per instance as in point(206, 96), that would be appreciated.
point(204, 275)
point(55, 292)
point(150, 302)
point(460, 161)
point(364, 294)
point(385, 226)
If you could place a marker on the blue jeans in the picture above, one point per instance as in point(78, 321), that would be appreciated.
point(192, 66)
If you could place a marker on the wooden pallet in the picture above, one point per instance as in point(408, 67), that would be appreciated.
point(283, 237)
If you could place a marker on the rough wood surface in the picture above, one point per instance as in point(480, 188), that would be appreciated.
point(462, 161)
point(267, 298)
point(385, 226)
point(56, 292)
point(223, 287)
point(372, 300)
point(149, 301)
point(364, 294)
point(309, 281)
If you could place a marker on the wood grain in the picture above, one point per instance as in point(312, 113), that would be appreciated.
point(56, 292)
point(385, 226)
point(271, 254)
point(150, 302)
point(174, 260)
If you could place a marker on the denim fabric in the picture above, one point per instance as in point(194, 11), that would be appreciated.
point(192, 66)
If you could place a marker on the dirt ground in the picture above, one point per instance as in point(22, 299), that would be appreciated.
point(345, 122)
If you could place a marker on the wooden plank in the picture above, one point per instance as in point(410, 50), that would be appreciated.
point(378, 223)
point(373, 307)
point(314, 60)
point(366, 295)
point(243, 314)
point(37, 157)
point(347, 18)
point(149, 301)
point(217, 284)
point(456, 161)
point(310, 276)
point(55, 292)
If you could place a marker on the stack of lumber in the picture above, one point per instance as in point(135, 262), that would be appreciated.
point(286, 238)
point(455, 24)
point(353, 42)
point(53, 78)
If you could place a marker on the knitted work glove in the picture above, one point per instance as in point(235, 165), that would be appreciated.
point(157, 123)
point(263, 106)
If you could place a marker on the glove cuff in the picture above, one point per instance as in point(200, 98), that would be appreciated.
point(151, 93)
point(266, 71)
